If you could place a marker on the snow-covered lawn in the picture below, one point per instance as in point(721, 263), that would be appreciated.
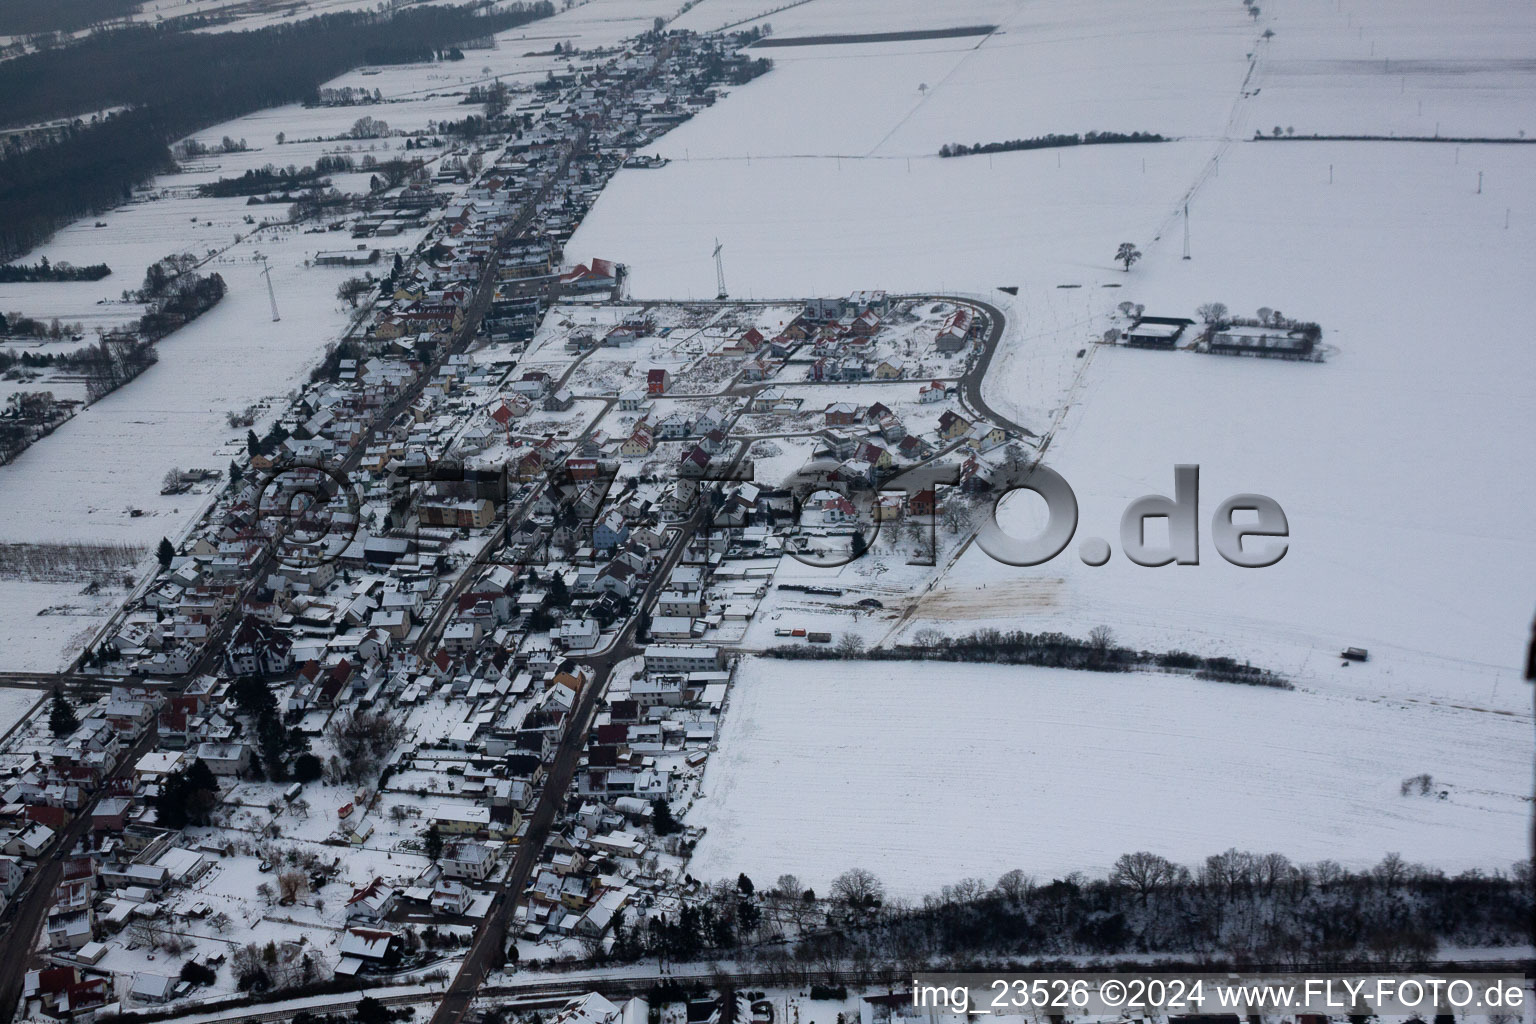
point(44, 625)
point(926, 776)
point(15, 702)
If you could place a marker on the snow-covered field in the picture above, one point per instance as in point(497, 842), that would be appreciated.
point(1405, 463)
point(825, 226)
point(926, 776)
point(1398, 67)
point(1177, 73)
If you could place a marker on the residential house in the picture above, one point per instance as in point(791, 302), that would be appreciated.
point(953, 425)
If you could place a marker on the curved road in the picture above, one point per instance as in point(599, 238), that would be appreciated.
point(970, 381)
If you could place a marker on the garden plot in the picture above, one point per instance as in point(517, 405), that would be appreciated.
point(926, 777)
point(864, 598)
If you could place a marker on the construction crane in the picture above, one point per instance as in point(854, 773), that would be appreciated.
point(719, 272)
point(266, 272)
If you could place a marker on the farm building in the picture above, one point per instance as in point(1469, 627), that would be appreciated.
point(1156, 331)
point(347, 258)
point(1270, 342)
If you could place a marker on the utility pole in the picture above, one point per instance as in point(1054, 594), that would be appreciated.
point(1186, 231)
point(266, 271)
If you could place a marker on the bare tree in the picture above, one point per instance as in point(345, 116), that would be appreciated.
point(850, 645)
point(1212, 312)
point(858, 890)
point(1015, 885)
point(362, 739)
point(1327, 873)
point(927, 638)
point(1270, 870)
point(1102, 638)
point(1143, 873)
point(957, 515)
point(352, 289)
point(1127, 254)
point(1391, 872)
point(292, 886)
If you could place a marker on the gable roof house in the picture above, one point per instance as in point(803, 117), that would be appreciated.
point(258, 649)
point(952, 425)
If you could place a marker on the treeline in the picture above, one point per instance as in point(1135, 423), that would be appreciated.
point(1097, 653)
point(270, 178)
point(110, 363)
point(191, 149)
point(33, 17)
point(1048, 142)
point(177, 83)
point(42, 270)
point(106, 364)
point(261, 180)
point(175, 295)
point(89, 170)
point(1237, 909)
point(25, 417)
point(191, 297)
point(346, 96)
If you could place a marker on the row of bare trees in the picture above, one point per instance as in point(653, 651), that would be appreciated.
point(66, 562)
point(1237, 907)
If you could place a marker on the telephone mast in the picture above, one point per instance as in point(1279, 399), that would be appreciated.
point(266, 272)
point(719, 272)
